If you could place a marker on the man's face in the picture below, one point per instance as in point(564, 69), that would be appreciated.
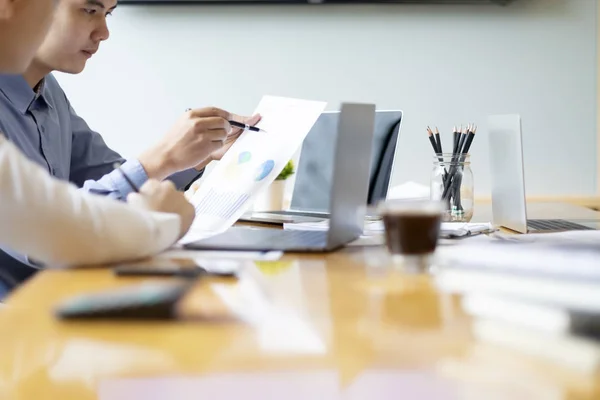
point(75, 35)
point(23, 25)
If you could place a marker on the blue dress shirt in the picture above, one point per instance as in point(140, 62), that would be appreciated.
point(44, 126)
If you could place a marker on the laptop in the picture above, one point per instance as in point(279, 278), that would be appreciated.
point(311, 195)
point(509, 206)
point(349, 191)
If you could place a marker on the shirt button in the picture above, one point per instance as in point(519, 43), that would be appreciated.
point(42, 129)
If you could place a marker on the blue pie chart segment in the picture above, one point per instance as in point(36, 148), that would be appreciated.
point(264, 170)
point(244, 157)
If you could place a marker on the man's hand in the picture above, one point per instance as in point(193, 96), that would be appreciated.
point(163, 197)
point(193, 139)
point(230, 140)
point(234, 135)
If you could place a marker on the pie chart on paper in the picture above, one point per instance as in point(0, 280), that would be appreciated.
point(264, 170)
point(244, 157)
point(235, 168)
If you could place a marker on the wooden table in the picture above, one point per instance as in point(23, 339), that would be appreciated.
point(341, 326)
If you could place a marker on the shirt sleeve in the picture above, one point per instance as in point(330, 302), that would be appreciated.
point(92, 165)
point(56, 224)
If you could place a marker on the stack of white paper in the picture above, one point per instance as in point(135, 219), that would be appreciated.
point(462, 229)
point(579, 262)
point(577, 353)
point(591, 237)
point(531, 315)
point(534, 298)
point(371, 228)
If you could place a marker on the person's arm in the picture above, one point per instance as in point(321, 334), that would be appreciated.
point(56, 224)
point(92, 164)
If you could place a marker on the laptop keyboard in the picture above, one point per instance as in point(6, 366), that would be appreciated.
point(288, 238)
point(555, 225)
point(275, 239)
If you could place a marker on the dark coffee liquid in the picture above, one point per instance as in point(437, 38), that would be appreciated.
point(411, 233)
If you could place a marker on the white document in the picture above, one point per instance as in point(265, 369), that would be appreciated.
point(575, 295)
point(455, 230)
point(569, 260)
point(252, 164)
point(578, 353)
point(544, 318)
point(582, 237)
point(371, 228)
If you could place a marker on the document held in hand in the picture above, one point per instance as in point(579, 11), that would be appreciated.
point(252, 164)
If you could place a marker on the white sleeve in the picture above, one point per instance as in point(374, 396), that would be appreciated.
point(55, 223)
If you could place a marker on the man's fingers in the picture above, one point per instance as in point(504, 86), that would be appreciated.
point(167, 185)
point(136, 200)
point(232, 137)
point(215, 135)
point(204, 124)
point(214, 146)
point(192, 190)
point(253, 120)
point(209, 112)
point(149, 187)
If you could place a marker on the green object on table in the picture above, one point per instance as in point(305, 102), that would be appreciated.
point(287, 171)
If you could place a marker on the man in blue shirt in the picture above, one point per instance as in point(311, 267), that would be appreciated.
point(36, 115)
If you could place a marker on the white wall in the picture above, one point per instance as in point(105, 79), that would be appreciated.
point(441, 64)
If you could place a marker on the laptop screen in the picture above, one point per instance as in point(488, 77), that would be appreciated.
point(312, 187)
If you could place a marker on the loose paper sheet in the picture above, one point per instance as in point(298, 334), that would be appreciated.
point(252, 164)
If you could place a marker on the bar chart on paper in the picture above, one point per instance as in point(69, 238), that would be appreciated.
point(221, 205)
point(252, 164)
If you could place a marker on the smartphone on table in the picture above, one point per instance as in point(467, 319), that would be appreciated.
point(180, 267)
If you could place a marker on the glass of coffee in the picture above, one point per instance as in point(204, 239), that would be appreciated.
point(412, 229)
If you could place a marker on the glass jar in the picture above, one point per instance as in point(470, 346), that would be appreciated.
point(452, 183)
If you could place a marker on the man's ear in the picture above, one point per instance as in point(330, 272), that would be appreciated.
point(6, 9)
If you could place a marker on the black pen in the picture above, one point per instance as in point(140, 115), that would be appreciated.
point(241, 125)
point(246, 126)
point(129, 181)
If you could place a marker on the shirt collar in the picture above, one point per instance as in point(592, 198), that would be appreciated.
point(17, 90)
point(40, 88)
